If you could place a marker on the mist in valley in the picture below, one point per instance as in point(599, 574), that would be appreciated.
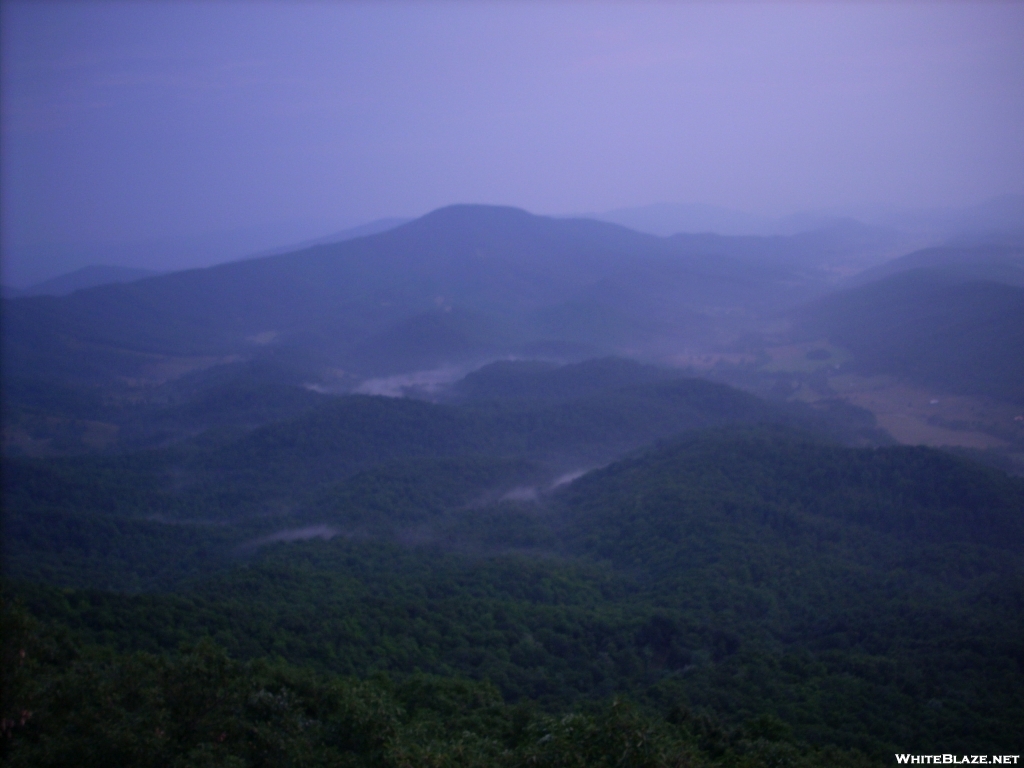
point(502, 385)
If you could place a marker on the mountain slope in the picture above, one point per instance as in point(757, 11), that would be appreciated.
point(864, 598)
point(304, 469)
point(1003, 264)
point(519, 271)
point(930, 328)
point(86, 277)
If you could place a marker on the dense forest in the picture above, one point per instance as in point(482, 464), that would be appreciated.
point(733, 580)
point(222, 545)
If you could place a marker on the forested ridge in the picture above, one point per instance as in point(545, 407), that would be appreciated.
point(739, 595)
point(586, 564)
point(730, 480)
point(68, 520)
point(958, 332)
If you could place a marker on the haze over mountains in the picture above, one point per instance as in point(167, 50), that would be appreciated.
point(468, 284)
point(31, 265)
point(157, 256)
point(1001, 214)
point(473, 281)
point(608, 463)
point(691, 434)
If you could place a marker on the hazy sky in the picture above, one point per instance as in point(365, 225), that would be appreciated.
point(134, 120)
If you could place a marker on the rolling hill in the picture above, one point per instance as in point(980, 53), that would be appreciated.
point(932, 328)
point(996, 263)
point(249, 479)
point(857, 598)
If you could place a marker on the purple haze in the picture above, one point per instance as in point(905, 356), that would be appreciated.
point(268, 123)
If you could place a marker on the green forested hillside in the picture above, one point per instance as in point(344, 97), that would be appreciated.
point(859, 598)
point(232, 485)
point(932, 328)
point(214, 552)
point(198, 707)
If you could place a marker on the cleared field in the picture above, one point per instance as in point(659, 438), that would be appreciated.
point(806, 357)
point(705, 361)
point(920, 416)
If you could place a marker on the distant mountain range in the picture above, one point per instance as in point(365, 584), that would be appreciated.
point(461, 284)
point(1000, 219)
point(558, 523)
point(415, 307)
point(103, 274)
point(33, 263)
point(1003, 214)
point(468, 284)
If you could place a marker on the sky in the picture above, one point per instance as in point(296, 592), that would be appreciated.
point(158, 121)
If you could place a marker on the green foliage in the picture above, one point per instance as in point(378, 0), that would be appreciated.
point(793, 591)
point(356, 462)
point(90, 707)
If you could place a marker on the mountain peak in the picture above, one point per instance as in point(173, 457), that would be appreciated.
point(471, 217)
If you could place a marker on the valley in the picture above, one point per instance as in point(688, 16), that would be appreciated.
point(511, 385)
point(540, 468)
point(916, 416)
